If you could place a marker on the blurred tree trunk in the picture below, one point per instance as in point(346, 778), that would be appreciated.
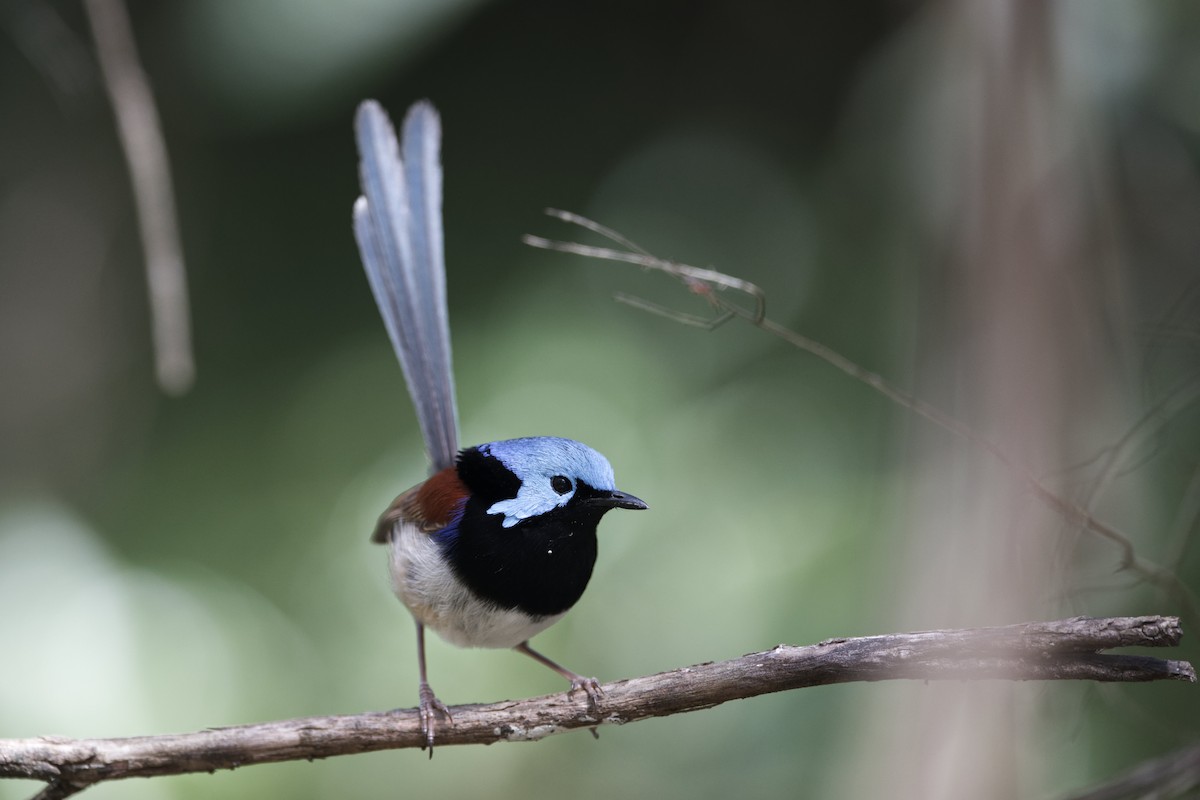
point(1010, 345)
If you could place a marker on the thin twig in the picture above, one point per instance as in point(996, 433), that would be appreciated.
point(1186, 526)
point(710, 283)
point(1153, 419)
point(1059, 650)
point(149, 169)
point(1172, 775)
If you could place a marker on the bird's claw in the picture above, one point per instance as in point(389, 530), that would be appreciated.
point(590, 687)
point(430, 707)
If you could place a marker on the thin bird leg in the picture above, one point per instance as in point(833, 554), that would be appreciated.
point(429, 702)
point(590, 686)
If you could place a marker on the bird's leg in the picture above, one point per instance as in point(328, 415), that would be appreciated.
point(590, 686)
point(429, 702)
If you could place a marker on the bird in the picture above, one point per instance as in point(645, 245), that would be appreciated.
point(499, 542)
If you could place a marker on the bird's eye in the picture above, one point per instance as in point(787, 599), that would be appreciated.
point(560, 484)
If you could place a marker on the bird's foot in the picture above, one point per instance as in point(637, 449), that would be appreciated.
point(430, 707)
point(589, 686)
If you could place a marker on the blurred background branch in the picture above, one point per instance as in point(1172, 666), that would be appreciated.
point(1173, 775)
point(150, 170)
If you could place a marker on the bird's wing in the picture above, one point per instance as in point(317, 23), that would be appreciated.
point(398, 225)
point(430, 506)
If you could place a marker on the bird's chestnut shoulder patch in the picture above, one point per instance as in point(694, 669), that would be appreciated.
point(440, 497)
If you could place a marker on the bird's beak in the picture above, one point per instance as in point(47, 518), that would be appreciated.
point(615, 499)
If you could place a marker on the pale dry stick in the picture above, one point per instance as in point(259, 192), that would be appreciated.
point(149, 169)
point(709, 283)
point(698, 280)
point(1066, 649)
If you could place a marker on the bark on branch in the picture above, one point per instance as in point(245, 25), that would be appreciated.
point(1060, 650)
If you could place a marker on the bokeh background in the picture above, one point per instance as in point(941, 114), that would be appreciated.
point(996, 206)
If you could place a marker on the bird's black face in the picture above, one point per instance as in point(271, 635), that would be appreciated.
point(529, 542)
point(486, 477)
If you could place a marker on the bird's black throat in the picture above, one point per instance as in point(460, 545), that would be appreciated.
point(540, 565)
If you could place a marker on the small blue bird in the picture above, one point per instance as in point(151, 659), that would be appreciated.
point(499, 542)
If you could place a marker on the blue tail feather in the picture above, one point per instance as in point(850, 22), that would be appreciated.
point(398, 225)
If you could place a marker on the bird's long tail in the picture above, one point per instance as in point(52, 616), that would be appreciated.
point(398, 225)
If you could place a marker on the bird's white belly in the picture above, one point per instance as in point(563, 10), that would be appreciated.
point(427, 585)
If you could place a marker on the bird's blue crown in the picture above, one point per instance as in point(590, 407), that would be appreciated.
point(537, 461)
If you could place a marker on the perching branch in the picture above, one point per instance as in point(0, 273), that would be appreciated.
point(1061, 650)
point(712, 286)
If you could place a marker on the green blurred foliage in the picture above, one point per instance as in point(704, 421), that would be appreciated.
point(174, 564)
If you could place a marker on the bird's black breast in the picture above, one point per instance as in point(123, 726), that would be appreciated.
point(540, 565)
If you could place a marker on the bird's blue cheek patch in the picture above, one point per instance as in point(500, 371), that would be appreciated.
point(532, 499)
